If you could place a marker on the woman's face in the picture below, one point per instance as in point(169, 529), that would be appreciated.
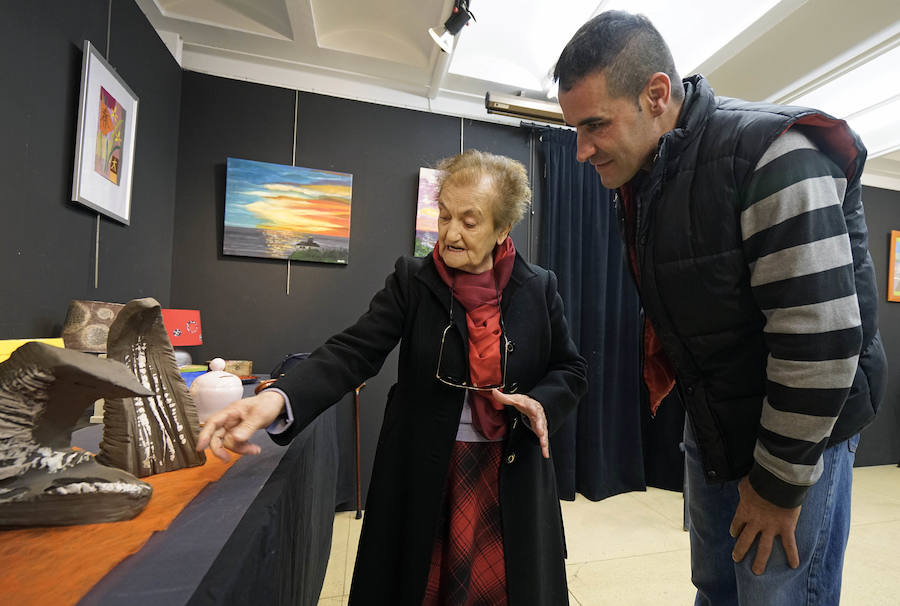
point(466, 231)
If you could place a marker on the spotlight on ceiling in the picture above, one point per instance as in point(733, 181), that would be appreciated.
point(443, 36)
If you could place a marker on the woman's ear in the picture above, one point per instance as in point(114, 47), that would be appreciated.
point(501, 236)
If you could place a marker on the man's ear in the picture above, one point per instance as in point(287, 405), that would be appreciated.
point(658, 93)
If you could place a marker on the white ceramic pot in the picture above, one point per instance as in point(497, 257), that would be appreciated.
point(215, 390)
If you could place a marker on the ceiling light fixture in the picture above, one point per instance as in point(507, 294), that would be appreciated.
point(444, 35)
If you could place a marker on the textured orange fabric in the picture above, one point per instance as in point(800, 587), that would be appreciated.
point(659, 375)
point(58, 565)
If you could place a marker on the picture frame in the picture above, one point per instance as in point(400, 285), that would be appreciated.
point(105, 140)
point(280, 211)
point(893, 287)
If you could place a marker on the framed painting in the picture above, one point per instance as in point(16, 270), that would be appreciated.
point(287, 212)
point(104, 145)
point(426, 212)
point(894, 268)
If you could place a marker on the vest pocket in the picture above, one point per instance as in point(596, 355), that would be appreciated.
point(873, 363)
point(738, 422)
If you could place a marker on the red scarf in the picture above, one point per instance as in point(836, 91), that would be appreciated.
point(478, 295)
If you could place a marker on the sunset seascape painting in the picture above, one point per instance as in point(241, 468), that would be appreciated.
point(287, 212)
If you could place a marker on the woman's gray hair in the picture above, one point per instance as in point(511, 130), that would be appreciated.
point(509, 181)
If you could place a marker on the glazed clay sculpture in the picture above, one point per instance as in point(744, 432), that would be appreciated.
point(44, 482)
point(151, 434)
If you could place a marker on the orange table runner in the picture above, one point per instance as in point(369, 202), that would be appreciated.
point(58, 565)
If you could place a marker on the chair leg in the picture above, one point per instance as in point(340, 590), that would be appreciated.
point(686, 515)
point(358, 485)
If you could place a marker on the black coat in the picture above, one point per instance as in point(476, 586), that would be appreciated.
point(421, 420)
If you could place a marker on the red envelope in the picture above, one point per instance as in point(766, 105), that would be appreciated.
point(183, 326)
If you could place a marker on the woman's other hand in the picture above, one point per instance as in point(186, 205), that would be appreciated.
point(533, 411)
point(232, 427)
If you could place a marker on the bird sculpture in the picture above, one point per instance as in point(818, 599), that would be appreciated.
point(43, 481)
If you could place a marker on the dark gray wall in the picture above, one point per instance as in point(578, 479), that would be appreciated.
point(46, 241)
point(246, 311)
point(880, 442)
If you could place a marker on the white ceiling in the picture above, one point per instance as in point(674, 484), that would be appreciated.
point(379, 51)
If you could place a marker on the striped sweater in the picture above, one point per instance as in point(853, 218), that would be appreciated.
point(801, 268)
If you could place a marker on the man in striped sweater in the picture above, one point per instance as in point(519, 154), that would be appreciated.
point(747, 241)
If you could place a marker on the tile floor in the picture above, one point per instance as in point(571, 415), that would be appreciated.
point(630, 549)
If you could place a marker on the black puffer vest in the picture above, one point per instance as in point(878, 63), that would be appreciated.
point(694, 279)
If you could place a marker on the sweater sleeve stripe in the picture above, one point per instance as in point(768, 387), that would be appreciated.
point(789, 168)
point(815, 346)
point(789, 142)
point(793, 200)
point(795, 452)
point(801, 229)
point(805, 401)
point(823, 374)
point(792, 473)
point(792, 167)
point(827, 316)
point(806, 290)
point(802, 260)
point(797, 426)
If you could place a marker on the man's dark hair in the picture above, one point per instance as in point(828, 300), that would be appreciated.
point(628, 47)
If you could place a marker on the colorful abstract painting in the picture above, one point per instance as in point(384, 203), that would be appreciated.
point(894, 267)
point(427, 212)
point(110, 131)
point(287, 212)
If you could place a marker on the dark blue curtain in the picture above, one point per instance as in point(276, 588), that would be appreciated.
point(599, 451)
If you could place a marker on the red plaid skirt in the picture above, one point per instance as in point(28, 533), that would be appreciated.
point(467, 566)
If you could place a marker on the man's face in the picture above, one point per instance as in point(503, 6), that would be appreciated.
point(613, 135)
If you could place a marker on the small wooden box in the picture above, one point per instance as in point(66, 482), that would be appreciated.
point(241, 368)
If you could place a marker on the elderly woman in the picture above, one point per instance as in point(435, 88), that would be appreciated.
point(462, 506)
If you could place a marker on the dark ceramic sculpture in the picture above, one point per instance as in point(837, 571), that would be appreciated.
point(44, 482)
point(153, 434)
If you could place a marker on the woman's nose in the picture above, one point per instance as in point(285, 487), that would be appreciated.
point(452, 232)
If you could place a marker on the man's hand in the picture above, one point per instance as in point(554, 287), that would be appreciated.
point(533, 410)
point(756, 516)
point(232, 427)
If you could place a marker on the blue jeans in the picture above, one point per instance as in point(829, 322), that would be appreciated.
point(822, 532)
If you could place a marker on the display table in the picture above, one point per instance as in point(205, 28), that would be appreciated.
point(259, 535)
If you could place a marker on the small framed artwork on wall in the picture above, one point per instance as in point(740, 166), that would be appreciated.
point(894, 268)
point(104, 145)
point(426, 212)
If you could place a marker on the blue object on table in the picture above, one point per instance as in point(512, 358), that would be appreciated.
point(191, 375)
